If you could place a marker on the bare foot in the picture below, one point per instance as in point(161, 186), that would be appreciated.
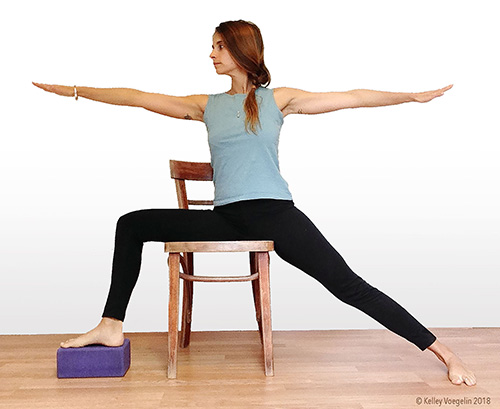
point(109, 332)
point(458, 372)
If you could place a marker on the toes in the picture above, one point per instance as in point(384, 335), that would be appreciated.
point(455, 379)
point(459, 379)
point(66, 344)
point(72, 343)
point(470, 380)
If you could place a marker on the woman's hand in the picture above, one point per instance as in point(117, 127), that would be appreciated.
point(64, 90)
point(430, 95)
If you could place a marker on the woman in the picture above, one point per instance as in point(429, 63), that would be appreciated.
point(252, 200)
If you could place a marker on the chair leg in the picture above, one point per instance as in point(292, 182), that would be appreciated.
point(173, 314)
point(187, 302)
point(265, 302)
point(256, 293)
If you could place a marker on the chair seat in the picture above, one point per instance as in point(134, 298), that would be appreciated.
point(218, 246)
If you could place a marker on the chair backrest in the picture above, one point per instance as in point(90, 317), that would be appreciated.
point(182, 171)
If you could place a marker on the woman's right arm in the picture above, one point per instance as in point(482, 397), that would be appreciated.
point(189, 107)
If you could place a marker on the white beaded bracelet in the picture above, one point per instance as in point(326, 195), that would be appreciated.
point(76, 93)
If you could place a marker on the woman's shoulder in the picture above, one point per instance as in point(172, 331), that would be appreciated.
point(282, 96)
point(284, 92)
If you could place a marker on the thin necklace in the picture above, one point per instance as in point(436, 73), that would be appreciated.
point(233, 98)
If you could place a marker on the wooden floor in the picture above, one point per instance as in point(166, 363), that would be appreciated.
point(347, 369)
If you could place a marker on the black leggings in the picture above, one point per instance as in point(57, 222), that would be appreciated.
point(296, 240)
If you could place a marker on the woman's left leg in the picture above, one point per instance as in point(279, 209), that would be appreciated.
point(301, 244)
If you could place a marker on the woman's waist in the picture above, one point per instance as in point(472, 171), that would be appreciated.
point(255, 206)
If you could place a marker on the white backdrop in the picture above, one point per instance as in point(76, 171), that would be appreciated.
point(409, 194)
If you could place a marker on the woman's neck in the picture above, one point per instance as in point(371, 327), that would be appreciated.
point(240, 85)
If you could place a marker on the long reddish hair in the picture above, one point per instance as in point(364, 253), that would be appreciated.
point(244, 41)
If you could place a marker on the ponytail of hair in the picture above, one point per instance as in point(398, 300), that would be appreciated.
point(251, 105)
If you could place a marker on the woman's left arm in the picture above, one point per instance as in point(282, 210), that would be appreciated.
point(296, 101)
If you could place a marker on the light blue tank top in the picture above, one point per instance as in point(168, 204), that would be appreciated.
point(245, 164)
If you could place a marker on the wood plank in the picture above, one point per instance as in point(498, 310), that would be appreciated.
point(218, 246)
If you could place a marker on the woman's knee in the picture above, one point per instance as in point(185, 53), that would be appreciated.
point(130, 221)
point(151, 224)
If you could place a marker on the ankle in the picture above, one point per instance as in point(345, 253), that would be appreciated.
point(443, 353)
point(111, 322)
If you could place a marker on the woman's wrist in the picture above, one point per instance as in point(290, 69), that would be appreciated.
point(412, 97)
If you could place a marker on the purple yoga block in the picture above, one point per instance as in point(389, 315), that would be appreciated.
point(93, 361)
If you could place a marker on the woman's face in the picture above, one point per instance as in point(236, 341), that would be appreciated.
point(221, 57)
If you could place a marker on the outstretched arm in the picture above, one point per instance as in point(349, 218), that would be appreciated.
point(189, 107)
point(296, 101)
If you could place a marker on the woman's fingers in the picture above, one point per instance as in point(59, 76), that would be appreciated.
point(443, 90)
point(430, 95)
point(38, 85)
point(45, 87)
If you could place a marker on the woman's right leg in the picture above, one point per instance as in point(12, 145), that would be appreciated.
point(160, 225)
point(132, 231)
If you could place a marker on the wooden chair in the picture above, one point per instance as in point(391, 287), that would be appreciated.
point(181, 253)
